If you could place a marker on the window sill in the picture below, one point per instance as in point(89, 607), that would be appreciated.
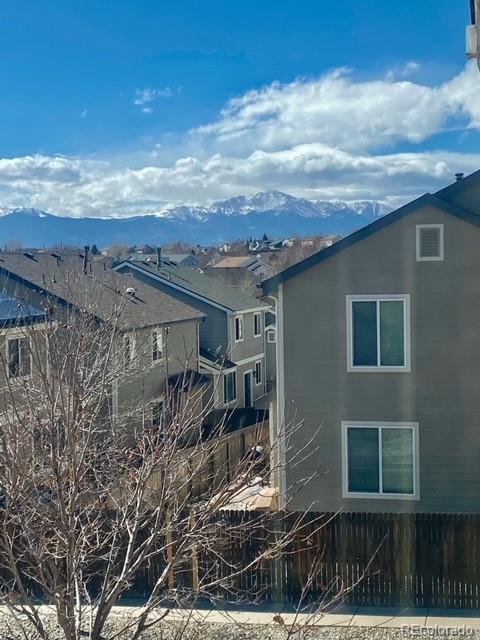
point(351, 369)
point(381, 496)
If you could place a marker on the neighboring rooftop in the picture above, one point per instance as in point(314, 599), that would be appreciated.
point(14, 312)
point(98, 289)
point(235, 261)
point(198, 283)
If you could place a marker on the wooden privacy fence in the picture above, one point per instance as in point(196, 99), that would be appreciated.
point(380, 559)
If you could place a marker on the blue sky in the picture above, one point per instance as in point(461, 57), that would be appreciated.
point(120, 107)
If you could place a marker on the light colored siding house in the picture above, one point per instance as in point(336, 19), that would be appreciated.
point(232, 335)
point(378, 350)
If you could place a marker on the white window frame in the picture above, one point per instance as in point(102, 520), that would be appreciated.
point(226, 402)
point(158, 332)
point(258, 315)
point(260, 363)
point(238, 319)
point(413, 426)
point(159, 401)
point(438, 258)
point(271, 332)
point(131, 337)
point(406, 367)
point(11, 338)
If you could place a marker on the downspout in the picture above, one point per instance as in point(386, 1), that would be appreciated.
point(277, 424)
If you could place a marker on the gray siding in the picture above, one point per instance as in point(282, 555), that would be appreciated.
point(250, 345)
point(442, 391)
point(146, 380)
point(213, 330)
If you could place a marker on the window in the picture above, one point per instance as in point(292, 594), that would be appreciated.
point(271, 335)
point(238, 328)
point(19, 357)
point(229, 387)
point(158, 411)
point(429, 242)
point(128, 350)
point(157, 345)
point(257, 324)
point(380, 459)
point(258, 372)
point(378, 333)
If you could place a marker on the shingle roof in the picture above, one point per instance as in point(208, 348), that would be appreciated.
point(14, 312)
point(442, 203)
point(198, 283)
point(100, 290)
point(235, 261)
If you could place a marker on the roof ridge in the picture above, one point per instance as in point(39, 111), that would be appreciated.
point(270, 285)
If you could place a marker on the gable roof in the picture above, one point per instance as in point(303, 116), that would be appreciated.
point(100, 290)
point(196, 282)
point(270, 285)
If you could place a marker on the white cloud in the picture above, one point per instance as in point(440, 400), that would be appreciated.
point(336, 110)
point(147, 96)
point(329, 137)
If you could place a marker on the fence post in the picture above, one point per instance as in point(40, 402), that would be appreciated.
point(277, 573)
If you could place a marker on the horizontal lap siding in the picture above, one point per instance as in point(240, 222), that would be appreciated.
point(441, 393)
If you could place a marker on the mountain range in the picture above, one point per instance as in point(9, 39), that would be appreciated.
point(277, 214)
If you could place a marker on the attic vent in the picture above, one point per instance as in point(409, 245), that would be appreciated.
point(429, 242)
point(131, 291)
point(30, 256)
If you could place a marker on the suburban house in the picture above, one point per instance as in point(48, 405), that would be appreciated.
point(232, 334)
point(15, 318)
point(158, 332)
point(378, 347)
point(254, 264)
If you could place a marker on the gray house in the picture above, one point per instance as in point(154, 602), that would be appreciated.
point(232, 336)
point(378, 352)
point(158, 332)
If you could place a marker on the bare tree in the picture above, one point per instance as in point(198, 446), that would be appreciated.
point(93, 497)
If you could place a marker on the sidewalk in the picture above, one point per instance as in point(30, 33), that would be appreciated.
point(394, 618)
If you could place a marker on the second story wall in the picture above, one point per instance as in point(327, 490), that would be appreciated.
point(213, 329)
point(438, 391)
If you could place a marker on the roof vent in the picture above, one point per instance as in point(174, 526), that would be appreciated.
point(459, 176)
point(131, 291)
point(28, 255)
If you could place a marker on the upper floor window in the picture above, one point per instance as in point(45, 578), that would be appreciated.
point(157, 345)
point(229, 387)
point(380, 459)
point(258, 372)
point(271, 335)
point(257, 324)
point(429, 242)
point(128, 350)
point(19, 357)
point(238, 328)
point(378, 333)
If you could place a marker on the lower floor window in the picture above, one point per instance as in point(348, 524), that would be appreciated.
point(380, 459)
point(158, 410)
point(229, 387)
point(19, 361)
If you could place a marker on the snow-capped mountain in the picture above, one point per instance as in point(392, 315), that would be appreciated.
point(272, 212)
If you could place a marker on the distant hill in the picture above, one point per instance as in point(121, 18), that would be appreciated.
point(273, 212)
